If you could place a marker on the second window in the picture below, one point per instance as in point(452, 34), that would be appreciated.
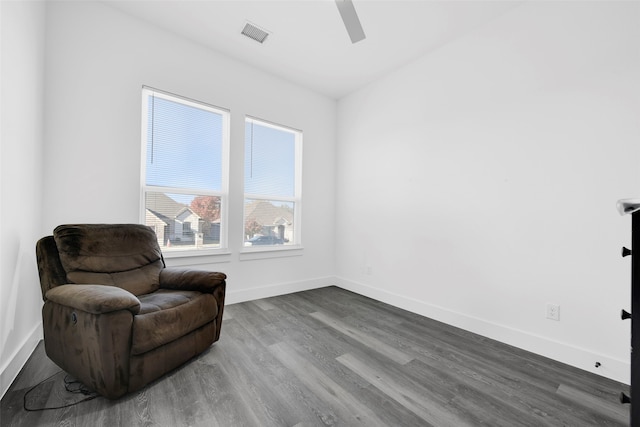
point(272, 193)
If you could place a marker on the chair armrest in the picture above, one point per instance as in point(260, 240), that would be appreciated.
point(191, 280)
point(96, 299)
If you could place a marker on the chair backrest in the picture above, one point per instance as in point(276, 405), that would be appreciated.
point(51, 272)
point(124, 255)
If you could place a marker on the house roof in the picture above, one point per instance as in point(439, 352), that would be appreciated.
point(164, 207)
point(266, 213)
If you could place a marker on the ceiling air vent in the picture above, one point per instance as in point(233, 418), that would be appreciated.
point(255, 33)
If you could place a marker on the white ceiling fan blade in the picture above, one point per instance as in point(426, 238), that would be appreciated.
point(350, 19)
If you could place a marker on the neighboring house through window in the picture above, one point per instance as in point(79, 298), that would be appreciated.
point(184, 174)
point(272, 189)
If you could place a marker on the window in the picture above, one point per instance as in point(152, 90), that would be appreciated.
point(184, 174)
point(272, 193)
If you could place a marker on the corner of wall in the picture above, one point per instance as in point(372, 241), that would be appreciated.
point(268, 291)
point(17, 360)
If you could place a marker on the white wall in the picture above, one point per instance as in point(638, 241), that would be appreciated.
point(98, 59)
point(22, 94)
point(479, 182)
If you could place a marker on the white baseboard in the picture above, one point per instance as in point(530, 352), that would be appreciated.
point(613, 368)
point(17, 360)
point(250, 294)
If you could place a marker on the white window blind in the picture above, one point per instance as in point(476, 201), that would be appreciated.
point(184, 145)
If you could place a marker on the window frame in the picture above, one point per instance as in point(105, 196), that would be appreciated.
point(296, 199)
point(223, 193)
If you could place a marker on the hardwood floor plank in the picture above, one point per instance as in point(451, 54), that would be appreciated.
point(532, 377)
point(347, 409)
point(365, 339)
point(481, 354)
point(256, 374)
point(320, 347)
point(264, 304)
point(501, 375)
point(343, 303)
point(432, 413)
point(598, 405)
point(482, 397)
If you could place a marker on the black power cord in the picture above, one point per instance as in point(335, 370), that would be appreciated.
point(72, 386)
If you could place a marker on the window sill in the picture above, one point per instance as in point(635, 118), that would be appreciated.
point(250, 253)
point(183, 257)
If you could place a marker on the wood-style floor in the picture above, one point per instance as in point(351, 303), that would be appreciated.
point(329, 357)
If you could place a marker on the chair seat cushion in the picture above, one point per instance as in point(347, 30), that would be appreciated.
point(166, 315)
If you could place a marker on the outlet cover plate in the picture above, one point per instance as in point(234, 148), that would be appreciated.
point(553, 311)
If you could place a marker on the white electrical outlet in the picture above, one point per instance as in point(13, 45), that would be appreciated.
point(553, 311)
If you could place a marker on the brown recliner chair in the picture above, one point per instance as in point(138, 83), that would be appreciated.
point(114, 317)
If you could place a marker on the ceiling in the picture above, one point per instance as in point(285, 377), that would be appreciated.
point(308, 43)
